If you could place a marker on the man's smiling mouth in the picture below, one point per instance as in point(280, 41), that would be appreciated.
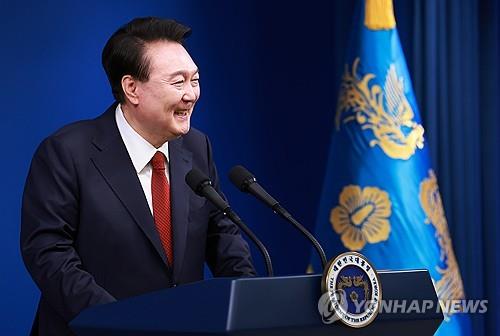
point(181, 113)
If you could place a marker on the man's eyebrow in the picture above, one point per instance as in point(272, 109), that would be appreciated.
point(183, 72)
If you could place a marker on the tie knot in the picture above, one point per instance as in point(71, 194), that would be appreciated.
point(158, 161)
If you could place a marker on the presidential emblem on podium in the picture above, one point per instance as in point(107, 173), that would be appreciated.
point(352, 289)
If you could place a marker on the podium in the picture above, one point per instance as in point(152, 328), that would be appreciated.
point(259, 306)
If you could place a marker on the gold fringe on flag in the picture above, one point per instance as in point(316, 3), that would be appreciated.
point(379, 14)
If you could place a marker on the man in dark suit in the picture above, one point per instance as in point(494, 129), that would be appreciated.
point(106, 212)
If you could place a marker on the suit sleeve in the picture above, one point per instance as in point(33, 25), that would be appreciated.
point(49, 226)
point(227, 252)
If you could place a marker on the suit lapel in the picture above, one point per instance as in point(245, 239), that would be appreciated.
point(180, 164)
point(114, 164)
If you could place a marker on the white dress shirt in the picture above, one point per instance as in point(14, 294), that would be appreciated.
point(141, 152)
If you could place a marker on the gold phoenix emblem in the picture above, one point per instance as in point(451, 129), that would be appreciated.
point(362, 216)
point(347, 282)
point(386, 112)
point(450, 286)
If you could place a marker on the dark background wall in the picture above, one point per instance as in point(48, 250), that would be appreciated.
point(270, 72)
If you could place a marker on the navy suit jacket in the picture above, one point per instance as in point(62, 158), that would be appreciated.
point(87, 233)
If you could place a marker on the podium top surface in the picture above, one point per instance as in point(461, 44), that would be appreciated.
point(228, 306)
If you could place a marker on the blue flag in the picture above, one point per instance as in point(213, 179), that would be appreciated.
point(380, 195)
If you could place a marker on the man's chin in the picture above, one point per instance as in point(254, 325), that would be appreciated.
point(182, 131)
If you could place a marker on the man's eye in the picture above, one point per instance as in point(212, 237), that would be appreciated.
point(179, 83)
point(195, 82)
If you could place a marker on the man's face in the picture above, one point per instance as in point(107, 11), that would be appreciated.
point(167, 99)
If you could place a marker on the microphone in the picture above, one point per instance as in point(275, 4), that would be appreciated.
point(246, 182)
point(202, 186)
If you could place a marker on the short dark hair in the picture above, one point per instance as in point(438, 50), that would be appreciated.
point(123, 54)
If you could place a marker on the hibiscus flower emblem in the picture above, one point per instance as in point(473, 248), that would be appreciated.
point(362, 216)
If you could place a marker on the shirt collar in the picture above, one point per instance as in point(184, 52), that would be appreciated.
point(139, 150)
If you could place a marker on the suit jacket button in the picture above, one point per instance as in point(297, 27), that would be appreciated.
point(173, 285)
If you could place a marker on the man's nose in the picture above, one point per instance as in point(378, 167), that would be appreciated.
point(189, 93)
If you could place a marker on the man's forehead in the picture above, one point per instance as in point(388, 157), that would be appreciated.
point(169, 58)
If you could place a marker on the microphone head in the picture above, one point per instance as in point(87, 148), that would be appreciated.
point(196, 180)
point(241, 177)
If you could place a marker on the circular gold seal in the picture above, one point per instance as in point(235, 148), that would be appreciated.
point(353, 290)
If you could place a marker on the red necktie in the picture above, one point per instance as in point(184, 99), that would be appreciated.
point(160, 190)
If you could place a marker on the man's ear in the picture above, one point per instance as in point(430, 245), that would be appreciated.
point(129, 87)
